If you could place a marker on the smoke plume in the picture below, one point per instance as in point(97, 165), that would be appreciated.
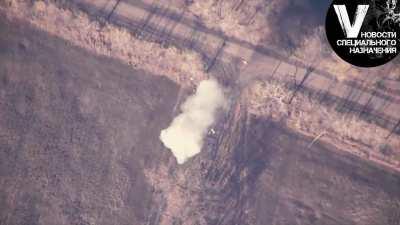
point(184, 137)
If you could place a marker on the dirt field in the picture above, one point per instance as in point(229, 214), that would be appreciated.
point(176, 41)
point(84, 96)
point(76, 131)
point(272, 176)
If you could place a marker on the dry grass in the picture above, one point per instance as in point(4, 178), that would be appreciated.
point(182, 66)
point(307, 116)
point(185, 67)
point(236, 19)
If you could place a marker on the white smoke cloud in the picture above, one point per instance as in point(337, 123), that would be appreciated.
point(184, 137)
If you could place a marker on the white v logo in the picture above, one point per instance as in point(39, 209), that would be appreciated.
point(351, 31)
